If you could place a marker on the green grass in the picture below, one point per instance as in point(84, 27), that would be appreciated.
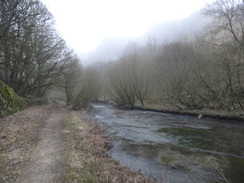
point(183, 131)
point(191, 137)
point(86, 158)
point(80, 168)
point(2, 156)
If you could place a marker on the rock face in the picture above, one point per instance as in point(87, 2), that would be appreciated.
point(10, 102)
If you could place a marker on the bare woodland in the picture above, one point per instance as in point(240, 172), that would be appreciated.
point(34, 59)
point(204, 71)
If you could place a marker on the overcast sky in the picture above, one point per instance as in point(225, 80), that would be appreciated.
point(84, 23)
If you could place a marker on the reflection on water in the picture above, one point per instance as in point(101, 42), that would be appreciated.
point(174, 148)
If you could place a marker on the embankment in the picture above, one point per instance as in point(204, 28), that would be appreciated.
point(10, 102)
point(215, 114)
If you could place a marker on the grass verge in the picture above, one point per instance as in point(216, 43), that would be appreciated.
point(206, 113)
point(87, 155)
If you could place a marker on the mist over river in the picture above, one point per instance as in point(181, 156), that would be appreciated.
point(173, 148)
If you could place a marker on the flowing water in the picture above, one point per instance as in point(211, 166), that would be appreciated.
point(173, 148)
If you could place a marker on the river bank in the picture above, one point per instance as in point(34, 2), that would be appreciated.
point(88, 154)
point(205, 113)
point(173, 148)
point(55, 144)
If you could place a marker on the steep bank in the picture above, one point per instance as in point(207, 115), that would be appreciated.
point(10, 102)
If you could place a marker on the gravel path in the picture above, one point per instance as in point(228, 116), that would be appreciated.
point(47, 162)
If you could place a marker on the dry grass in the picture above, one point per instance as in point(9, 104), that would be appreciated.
point(88, 159)
point(18, 136)
point(86, 153)
point(218, 114)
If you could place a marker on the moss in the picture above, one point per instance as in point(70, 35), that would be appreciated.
point(235, 169)
point(3, 156)
point(10, 102)
point(187, 131)
point(192, 137)
point(189, 162)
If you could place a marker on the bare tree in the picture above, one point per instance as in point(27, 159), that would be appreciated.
point(175, 66)
point(31, 52)
point(89, 89)
point(129, 79)
point(119, 89)
point(225, 36)
point(71, 77)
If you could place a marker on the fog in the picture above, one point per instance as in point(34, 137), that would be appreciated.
point(111, 48)
point(99, 30)
point(138, 54)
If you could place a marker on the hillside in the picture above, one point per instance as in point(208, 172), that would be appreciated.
point(10, 102)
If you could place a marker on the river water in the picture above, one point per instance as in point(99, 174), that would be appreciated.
point(173, 148)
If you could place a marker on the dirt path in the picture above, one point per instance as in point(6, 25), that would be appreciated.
point(50, 144)
point(47, 162)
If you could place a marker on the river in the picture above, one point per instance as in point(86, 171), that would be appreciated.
point(173, 148)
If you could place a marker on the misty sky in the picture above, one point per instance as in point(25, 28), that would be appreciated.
point(84, 23)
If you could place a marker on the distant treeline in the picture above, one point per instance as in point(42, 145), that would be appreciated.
point(199, 71)
point(202, 71)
